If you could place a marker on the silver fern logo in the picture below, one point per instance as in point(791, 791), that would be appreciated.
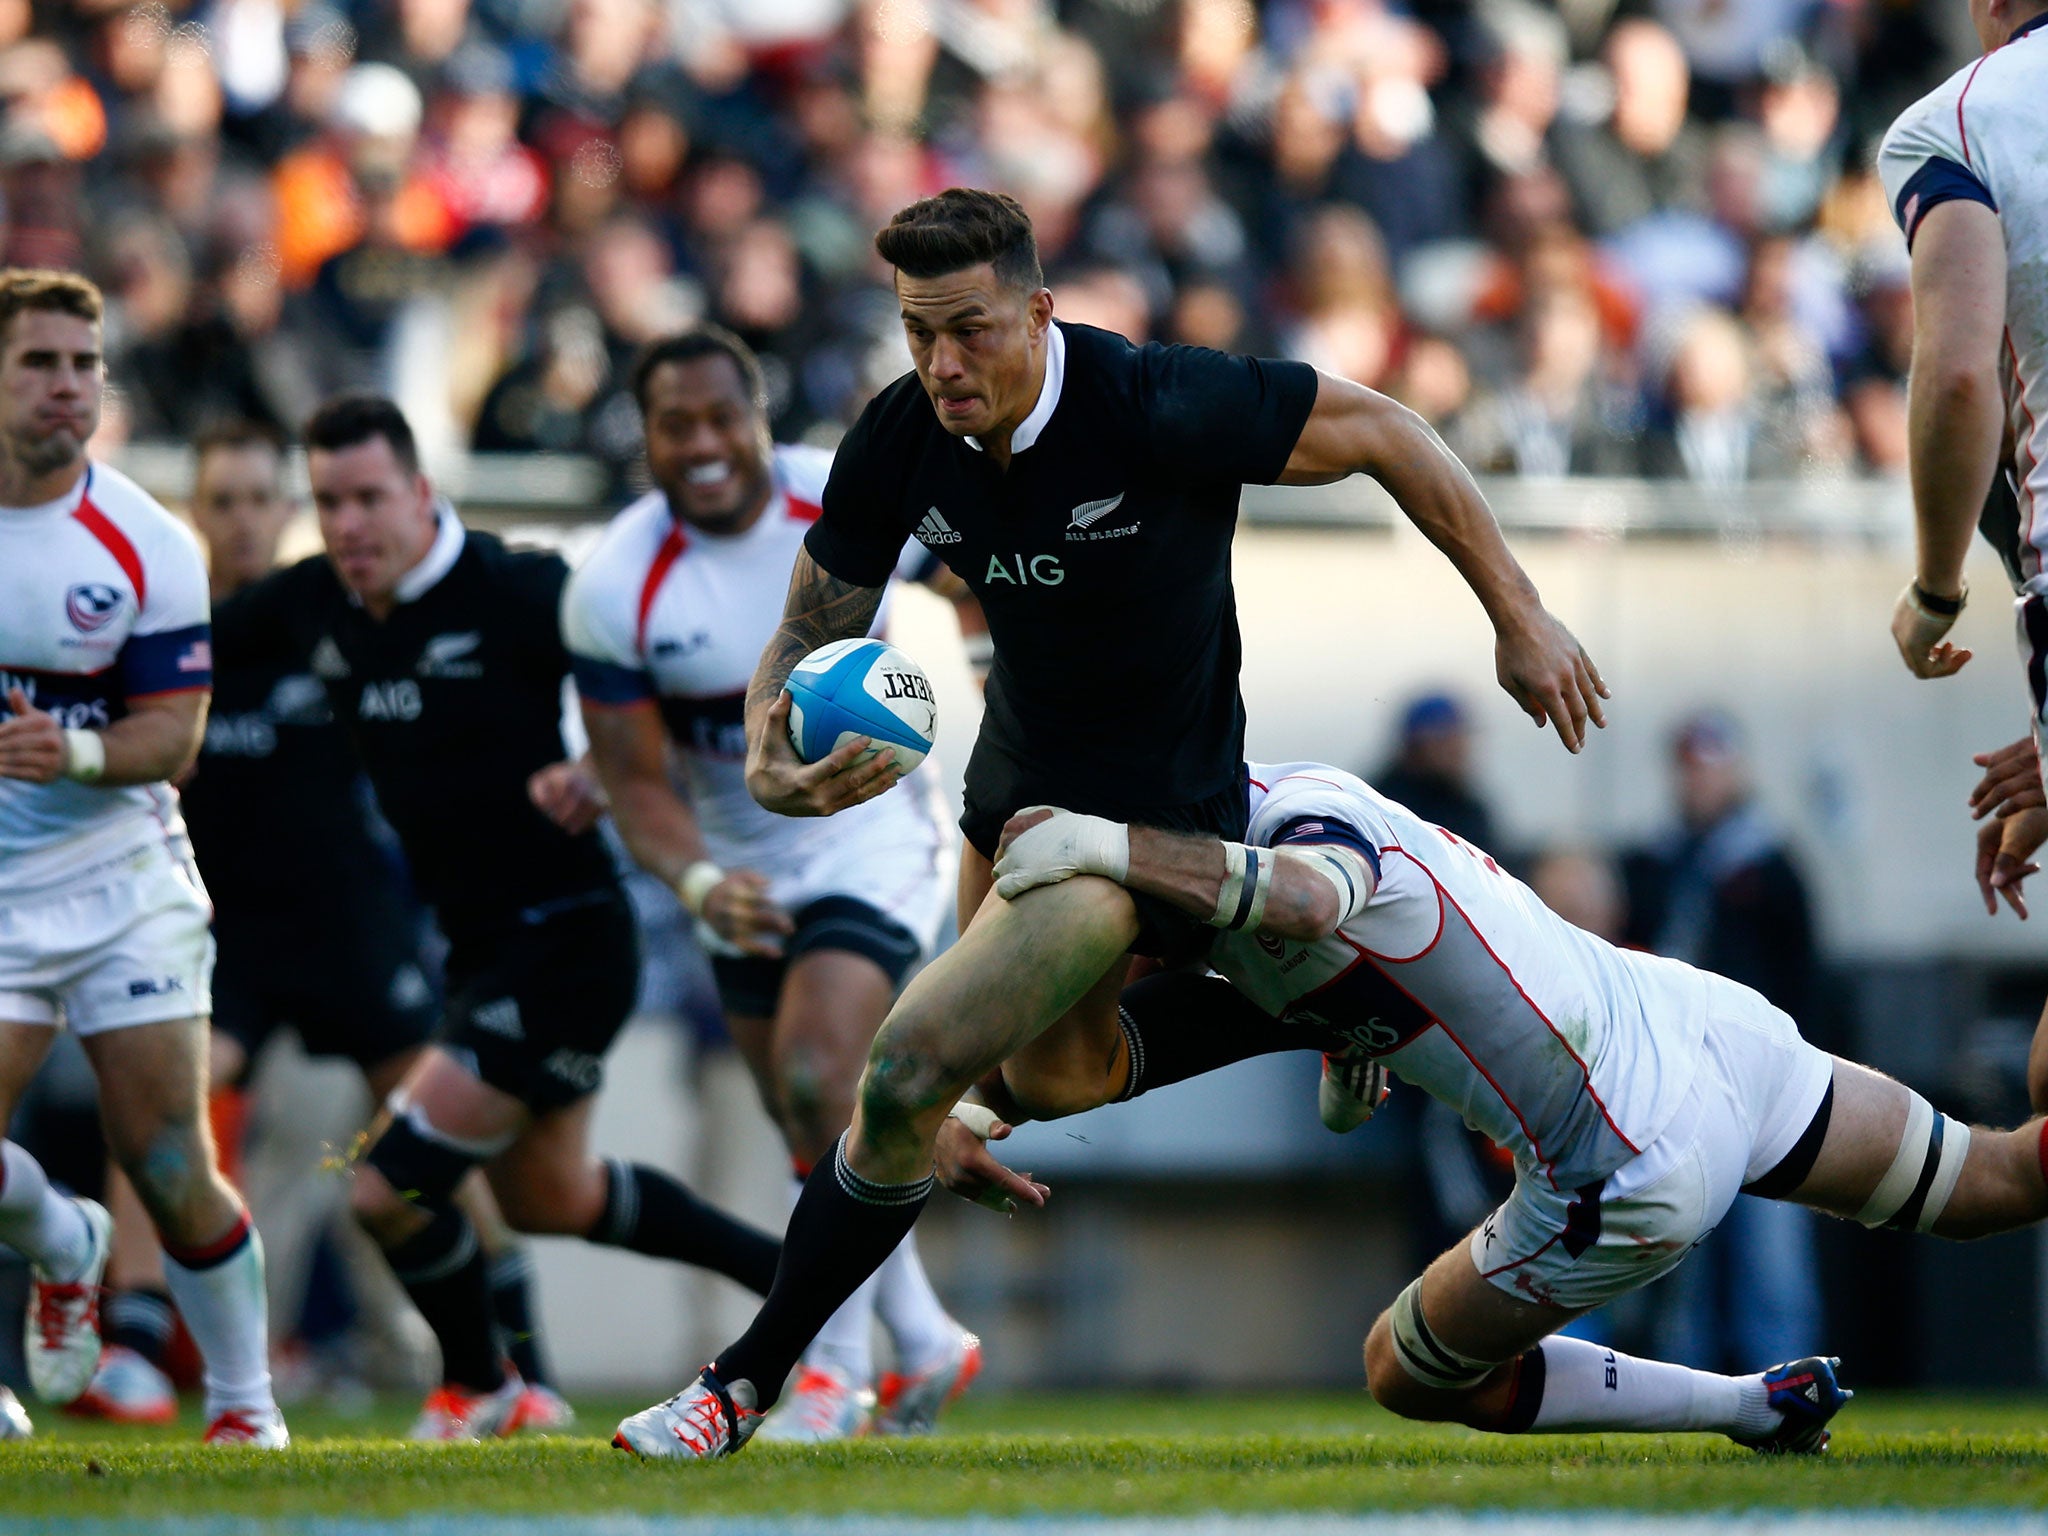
point(1089, 513)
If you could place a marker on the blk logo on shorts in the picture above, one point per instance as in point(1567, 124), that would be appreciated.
point(91, 606)
point(153, 987)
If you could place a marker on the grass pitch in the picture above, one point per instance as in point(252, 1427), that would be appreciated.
point(1111, 1455)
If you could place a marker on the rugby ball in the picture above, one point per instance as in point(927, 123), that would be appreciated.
point(861, 688)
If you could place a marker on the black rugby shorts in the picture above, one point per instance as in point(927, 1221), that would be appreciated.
point(534, 1005)
point(992, 797)
point(356, 990)
point(751, 985)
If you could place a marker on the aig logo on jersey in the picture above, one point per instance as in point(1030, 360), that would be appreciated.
point(91, 606)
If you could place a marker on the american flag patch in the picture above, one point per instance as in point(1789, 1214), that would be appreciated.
point(196, 657)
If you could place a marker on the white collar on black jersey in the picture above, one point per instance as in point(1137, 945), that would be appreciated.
point(1048, 395)
point(421, 579)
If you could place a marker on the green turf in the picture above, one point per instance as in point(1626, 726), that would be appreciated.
point(1021, 1455)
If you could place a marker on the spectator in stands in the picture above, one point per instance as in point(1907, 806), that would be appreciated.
point(1720, 891)
point(1717, 431)
point(1559, 415)
point(1346, 320)
point(1430, 770)
point(1646, 157)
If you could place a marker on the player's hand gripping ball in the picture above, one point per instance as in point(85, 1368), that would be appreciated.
point(861, 688)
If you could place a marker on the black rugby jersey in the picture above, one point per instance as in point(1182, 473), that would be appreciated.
point(452, 702)
point(1102, 556)
point(278, 810)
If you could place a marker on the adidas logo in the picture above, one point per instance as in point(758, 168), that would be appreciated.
point(327, 660)
point(936, 530)
point(500, 1018)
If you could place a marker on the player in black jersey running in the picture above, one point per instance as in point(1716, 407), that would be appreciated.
point(440, 650)
point(1086, 490)
point(277, 792)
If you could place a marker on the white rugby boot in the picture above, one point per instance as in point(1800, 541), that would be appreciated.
point(707, 1418)
point(127, 1389)
point(544, 1411)
point(450, 1413)
point(14, 1424)
point(911, 1404)
point(1354, 1086)
point(60, 1332)
point(823, 1406)
point(261, 1428)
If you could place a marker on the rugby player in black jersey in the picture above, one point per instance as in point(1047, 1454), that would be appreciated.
point(1086, 490)
point(277, 792)
point(440, 651)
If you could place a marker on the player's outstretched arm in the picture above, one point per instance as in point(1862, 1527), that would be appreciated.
point(1955, 418)
point(1303, 893)
point(152, 744)
point(1353, 430)
point(630, 753)
point(820, 609)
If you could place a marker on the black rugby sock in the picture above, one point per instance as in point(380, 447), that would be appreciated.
point(142, 1319)
point(442, 1269)
point(510, 1277)
point(843, 1227)
point(648, 1212)
point(1178, 1026)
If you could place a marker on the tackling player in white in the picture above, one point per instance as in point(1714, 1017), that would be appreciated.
point(1638, 1095)
point(1961, 167)
point(810, 927)
point(105, 659)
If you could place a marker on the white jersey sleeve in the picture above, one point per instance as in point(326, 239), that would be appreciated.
point(1928, 158)
point(600, 606)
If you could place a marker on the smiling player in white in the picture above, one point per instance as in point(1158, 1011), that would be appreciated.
point(105, 662)
point(1637, 1094)
point(810, 928)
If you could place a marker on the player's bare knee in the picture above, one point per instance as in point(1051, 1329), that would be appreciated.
point(1050, 1091)
point(171, 1170)
point(907, 1078)
point(2003, 1185)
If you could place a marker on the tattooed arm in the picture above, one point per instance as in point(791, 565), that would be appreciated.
point(821, 608)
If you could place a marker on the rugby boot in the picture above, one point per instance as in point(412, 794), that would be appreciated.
point(61, 1330)
point(911, 1404)
point(1807, 1394)
point(822, 1406)
point(544, 1411)
point(14, 1424)
point(707, 1418)
point(1354, 1086)
point(262, 1428)
point(127, 1389)
point(453, 1413)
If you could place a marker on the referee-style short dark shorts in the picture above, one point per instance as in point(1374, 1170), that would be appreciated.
point(357, 991)
point(1164, 931)
point(533, 1006)
point(751, 985)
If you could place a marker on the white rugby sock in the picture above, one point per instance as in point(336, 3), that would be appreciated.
point(1588, 1386)
point(923, 1332)
point(219, 1292)
point(46, 1228)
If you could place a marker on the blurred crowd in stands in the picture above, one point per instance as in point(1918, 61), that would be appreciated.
point(1580, 238)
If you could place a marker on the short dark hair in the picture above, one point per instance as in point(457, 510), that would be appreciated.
point(698, 342)
point(354, 419)
point(964, 227)
point(237, 432)
point(40, 288)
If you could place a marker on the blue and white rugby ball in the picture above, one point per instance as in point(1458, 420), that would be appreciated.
point(861, 688)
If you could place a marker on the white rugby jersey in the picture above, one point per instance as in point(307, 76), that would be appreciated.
point(1978, 136)
point(667, 612)
point(1567, 1051)
point(103, 599)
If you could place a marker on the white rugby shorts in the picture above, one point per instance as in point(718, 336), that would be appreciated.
point(126, 941)
point(1758, 1087)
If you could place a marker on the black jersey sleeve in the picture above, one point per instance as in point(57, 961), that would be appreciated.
point(860, 534)
point(276, 620)
point(1219, 416)
point(530, 583)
